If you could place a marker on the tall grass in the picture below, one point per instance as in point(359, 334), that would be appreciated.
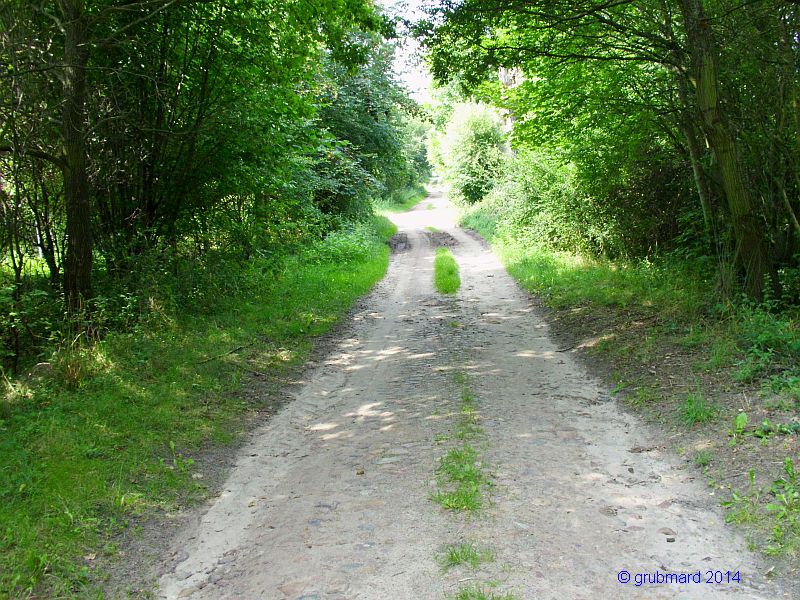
point(400, 201)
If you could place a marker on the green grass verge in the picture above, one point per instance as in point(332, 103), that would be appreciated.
point(114, 432)
point(756, 342)
point(400, 202)
point(760, 340)
point(446, 277)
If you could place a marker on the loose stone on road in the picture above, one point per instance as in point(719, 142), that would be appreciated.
point(331, 498)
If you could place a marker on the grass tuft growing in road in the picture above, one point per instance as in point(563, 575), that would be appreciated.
point(697, 409)
point(465, 554)
point(477, 593)
point(461, 476)
point(446, 277)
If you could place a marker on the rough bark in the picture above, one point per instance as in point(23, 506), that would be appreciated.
point(749, 229)
point(78, 259)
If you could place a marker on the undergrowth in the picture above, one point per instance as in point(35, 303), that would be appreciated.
point(760, 341)
point(401, 201)
point(675, 301)
point(111, 430)
point(774, 512)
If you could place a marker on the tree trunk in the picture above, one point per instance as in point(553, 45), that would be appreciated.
point(687, 127)
point(752, 247)
point(78, 260)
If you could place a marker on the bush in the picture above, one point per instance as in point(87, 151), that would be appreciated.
point(536, 199)
point(345, 245)
point(544, 198)
point(471, 152)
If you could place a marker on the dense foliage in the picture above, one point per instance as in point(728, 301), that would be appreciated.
point(186, 194)
point(144, 144)
point(469, 153)
point(673, 124)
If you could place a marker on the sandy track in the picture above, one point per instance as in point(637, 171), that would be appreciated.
point(330, 499)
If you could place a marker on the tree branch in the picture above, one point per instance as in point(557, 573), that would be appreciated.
point(35, 153)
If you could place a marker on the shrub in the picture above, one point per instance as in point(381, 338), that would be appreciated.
point(471, 152)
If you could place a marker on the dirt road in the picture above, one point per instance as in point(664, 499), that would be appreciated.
point(331, 499)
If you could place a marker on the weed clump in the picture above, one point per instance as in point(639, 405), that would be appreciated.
point(465, 554)
point(697, 409)
point(446, 275)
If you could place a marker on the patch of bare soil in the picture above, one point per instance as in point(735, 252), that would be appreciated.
point(652, 373)
point(399, 242)
point(440, 239)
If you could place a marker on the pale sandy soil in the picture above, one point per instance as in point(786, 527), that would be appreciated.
point(331, 498)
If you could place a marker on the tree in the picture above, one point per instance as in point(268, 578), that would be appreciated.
point(647, 41)
point(471, 150)
point(146, 90)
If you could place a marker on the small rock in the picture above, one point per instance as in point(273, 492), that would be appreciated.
point(360, 472)
point(293, 588)
point(41, 369)
point(666, 531)
point(670, 539)
point(389, 460)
